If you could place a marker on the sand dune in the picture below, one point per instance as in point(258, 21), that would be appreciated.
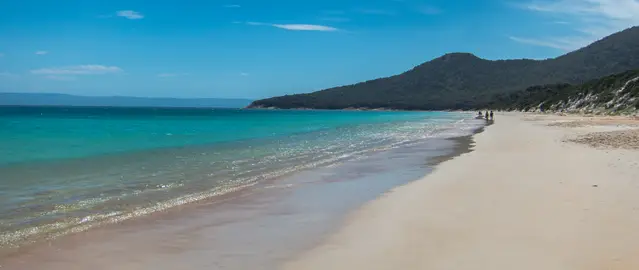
point(527, 198)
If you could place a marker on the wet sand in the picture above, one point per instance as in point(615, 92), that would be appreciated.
point(258, 228)
point(533, 194)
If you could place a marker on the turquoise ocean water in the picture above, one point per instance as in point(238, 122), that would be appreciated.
point(68, 169)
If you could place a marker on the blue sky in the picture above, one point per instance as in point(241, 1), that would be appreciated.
point(261, 48)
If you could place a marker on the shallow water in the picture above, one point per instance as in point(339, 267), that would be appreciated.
point(67, 170)
point(259, 227)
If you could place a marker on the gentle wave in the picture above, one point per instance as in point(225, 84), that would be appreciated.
point(81, 194)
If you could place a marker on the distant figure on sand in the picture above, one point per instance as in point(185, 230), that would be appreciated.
point(487, 115)
point(491, 115)
point(479, 115)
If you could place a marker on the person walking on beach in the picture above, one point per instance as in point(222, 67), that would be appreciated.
point(491, 115)
point(486, 115)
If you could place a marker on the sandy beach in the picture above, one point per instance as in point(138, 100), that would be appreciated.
point(539, 192)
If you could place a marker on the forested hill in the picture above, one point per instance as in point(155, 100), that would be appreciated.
point(464, 81)
point(615, 94)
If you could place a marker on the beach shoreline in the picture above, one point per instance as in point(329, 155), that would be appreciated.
point(529, 196)
point(250, 221)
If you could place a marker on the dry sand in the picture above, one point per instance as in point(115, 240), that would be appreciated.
point(526, 198)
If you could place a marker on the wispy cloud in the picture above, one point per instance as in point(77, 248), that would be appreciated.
point(129, 14)
point(232, 6)
point(78, 70)
point(563, 43)
point(591, 19)
point(60, 78)
point(41, 52)
point(297, 27)
point(305, 27)
point(244, 74)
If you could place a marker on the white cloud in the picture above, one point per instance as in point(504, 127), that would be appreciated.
point(304, 27)
point(244, 74)
point(41, 52)
point(564, 43)
point(78, 70)
point(591, 19)
point(130, 14)
point(297, 27)
point(60, 78)
point(232, 6)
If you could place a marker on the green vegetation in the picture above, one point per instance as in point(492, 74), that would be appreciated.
point(464, 81)
point(615, 94)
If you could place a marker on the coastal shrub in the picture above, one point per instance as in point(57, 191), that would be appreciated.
point(595, 93)
point(605, 97)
